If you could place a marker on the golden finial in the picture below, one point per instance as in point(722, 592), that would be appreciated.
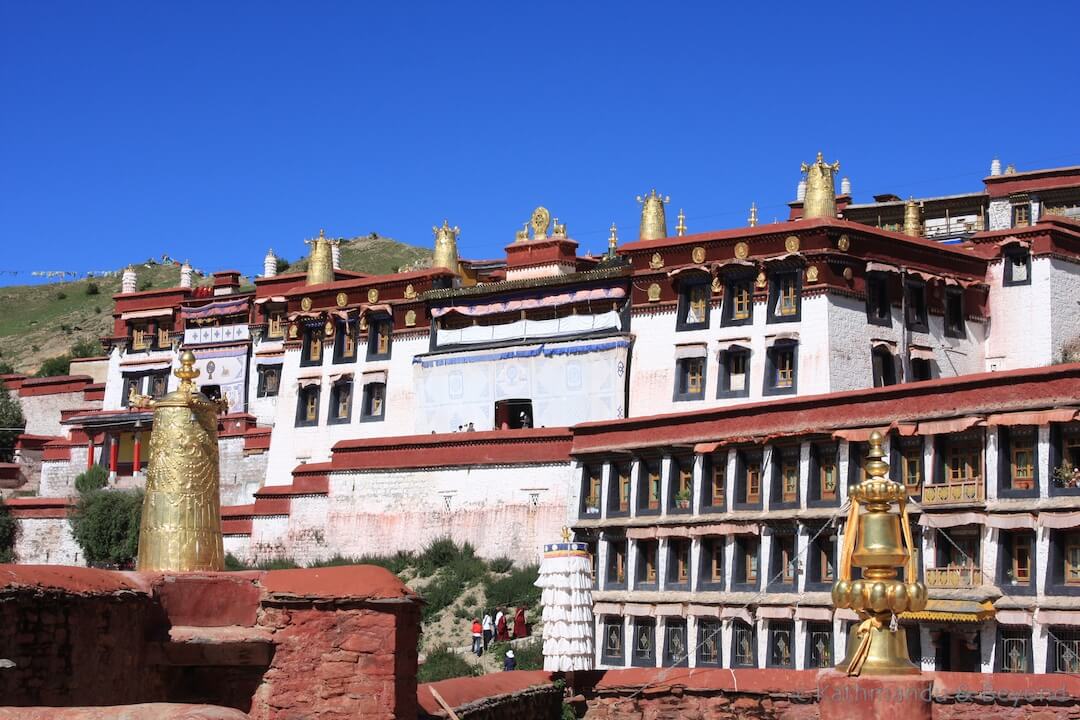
point(912, 221)
point(613, 240)
point(322, 233)
point(680, 228)
point(446, 255)
point(565, 534)
point(187, 372)
point(753, 215)
point(653, 220)
point(820, 199)
point(321, 263)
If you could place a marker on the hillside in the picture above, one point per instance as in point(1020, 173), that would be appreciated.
point(43, 321)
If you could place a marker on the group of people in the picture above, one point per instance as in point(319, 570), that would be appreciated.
point(499, 628)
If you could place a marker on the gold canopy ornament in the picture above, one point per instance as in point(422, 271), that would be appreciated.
point(180, 530)
point(680, 227)
point(446, 247)
point(612, 241)
point(321, 264)
point(653, 220)
point(820, 200)
point(912, 219)
point(878, 541)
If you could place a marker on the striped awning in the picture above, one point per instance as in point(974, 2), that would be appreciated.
point(532, 302)
point(215, 309)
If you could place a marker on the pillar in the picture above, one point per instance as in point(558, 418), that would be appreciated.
point(114, 457)
point(136, 454)
point(89, 451)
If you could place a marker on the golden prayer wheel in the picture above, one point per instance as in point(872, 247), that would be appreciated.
point(321, 264)
point(180, 529)
point(878, 541)
point(653, 217)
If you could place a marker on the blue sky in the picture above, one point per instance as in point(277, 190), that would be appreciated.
point(212, 131)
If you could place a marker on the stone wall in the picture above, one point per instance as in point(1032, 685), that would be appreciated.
point(241, 473)
point(46, 541)
point(42, 412)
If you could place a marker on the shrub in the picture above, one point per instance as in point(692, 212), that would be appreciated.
point(106, 526)
point(278, 563)
point(6, 367)
point(441, 593)
point(437, 555)
point(92, 288)
point(443, 664)
point(61, 295)
point(396, 563)
point(462, 613)
point(282, 264)
point(515, 589)
point(145, 285)
point(97, 309)
point(529, 655)
point(11, 416)
point(233, 563)
point(92, 479)
point(85, 348)
point(7, 535)
point(500, 564)
point(54, 366)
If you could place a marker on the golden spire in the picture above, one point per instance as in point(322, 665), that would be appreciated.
point(653, 221)
point(612, 241)
point(321, 263)
point(911, 218)
point(820, 200)
point(445, 247)
point(680, 229)
point(752, 220)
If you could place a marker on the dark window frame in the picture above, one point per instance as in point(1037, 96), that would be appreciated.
point(772, 371)
point(1005, 558)
point(610, 565)
point(818, 451)
point(743, 546)
point(644, 465)
point(878, 299)
point(710, 545)
point(681, 392)
point(605, 657)
point(676, 465)
point(751, 629)
point(613, 509)
point(260, 385)
point(744, 458)
point(999, 650)
point(706, 627)
point(822, 544)
point(590, 472)
point(709, 464)
point(686, 287)
point(672, 582)
point(883, 366)
point(312, 335)
point(727, 313)
point(917, 319)
point(1058, 433)
point(1006, 437)
point(366, 400)
point(954, 304)
point(1055, 580)
point(1066, 634)
point(1009, 258)
point(335, 392)
point(670, 658)
point(782, 455)
point(346, 327)
point(374, 324)
point(302, 402)
point(776, 582)
point(813, 628)
point(776, 627)
point(640, 578)
point(637, 624)
point(775, 283)
point(723, 384)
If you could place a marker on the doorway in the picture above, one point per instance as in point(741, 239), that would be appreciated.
point(513, 414)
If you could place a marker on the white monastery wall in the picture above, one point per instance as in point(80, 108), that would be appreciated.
point(46, 541)
point(241, 475)
point(42, 412)
point(1021, 317)
point(1064, 306)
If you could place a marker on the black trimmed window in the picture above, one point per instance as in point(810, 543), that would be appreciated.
point(619, 491)
point(734, 378)
point(921, 369)
point(711, 563)
point(374, 402)
point(785, 297)
point(311, 352)
point(1065, 458)
point(781, 368)
point(819, 641)
point(954, 313)
point(781, 644)
point(647, 570)
point(878, 302)
point(743, 644)
point(1064, 566)
point(857, 462)
point(649, 487)
point(821, 560)
point(613, 652)
point(643, 653)
point(690, 378)
point(746, 574)
point(710, 637)
point(748, 479)
point(341, 395)
point(615, 578)
point(883, 363)
point(1014, 653)
point(380, 338)
point(785, 480)
point(678, 565)
point(738, 301)
point(784, 568)
point(345, 341)
point(906, 463)
point(269, 380)
point(1016, 564)
point(695, 299)
point(1018, 461)
point(1017, 270)
point(1063, 648)
point(1021, 214)
point(307, 406)
point(676, 648)
point(714, 482)
point(915, 291)
point(680, 484)
point(591, 478)
point(824, 475)
point(157, 384)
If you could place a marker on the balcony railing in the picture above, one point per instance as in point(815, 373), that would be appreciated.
point(954, 493)
point(953, 577)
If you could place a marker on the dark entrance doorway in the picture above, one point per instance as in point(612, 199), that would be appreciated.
point(513, 414)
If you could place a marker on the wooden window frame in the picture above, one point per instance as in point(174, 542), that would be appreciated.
point(617, 556)
point(373, 392)
point(1070, 570)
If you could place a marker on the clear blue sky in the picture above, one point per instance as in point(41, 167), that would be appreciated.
point(212, 131)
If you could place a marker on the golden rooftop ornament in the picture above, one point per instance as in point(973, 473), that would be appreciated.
point(445, 255)
point(820, 200)
point(612, 241)
point(321, 263)
point(541, 220)
point(653, 221)
point(559, 230)
point(680, 229)
point(878, 541)
point(180, 529)
point(912, 221)
point(752, 220)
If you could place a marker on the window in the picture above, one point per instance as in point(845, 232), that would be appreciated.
point(921, 369)
point(649, 487)
point(857, 462)
point(821, 559)
point(780, 370)
point(690, 380)
point(345, 342)
point(954, 313)
point(878, 304)
point(140, 337)
point(712, 563)
point(616, 563)
point(738, 301)
point(164, 337)
point(1069, 543)
point(785, 476)
point(963, 462)
point(781, 650)
point(1021, 214)
point(311, 351)
point(1014, 650)
point(675, 647)
point(1065, 458)
point(710, 634)
point(911, 463)
point(590, 491)
point(341, 401)
point(715, 487)
point(958, 548)
point(1018, 462)
point(613, 642)
point(883, 365)
point(819, 645)
point(158, 384)
point(915, 292)
point(694, 307)
point(680, 485)
point(379, 332)
point(679, 563)
point(1017, 565)
point(269, 380)
point(734, 372)
point(275, 324)
point(513, 414)
point(1064, 650)
point(374, 401)
point(784, 297)
point(748, 468)
point(644, 652)
point(619, 496)
point(646, 562)
point(307, 406)
point(785, 561)
point(823, 474)
point(743, 645)
point(746, 559)
point(1017, 269)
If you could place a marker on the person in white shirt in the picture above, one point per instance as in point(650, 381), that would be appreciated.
point(489, 629)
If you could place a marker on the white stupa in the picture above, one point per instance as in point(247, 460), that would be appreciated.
point(566, 581)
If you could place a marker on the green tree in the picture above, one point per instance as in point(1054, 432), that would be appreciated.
point(282, 264)
point(93, 479)
point(54, 366)
point(12, 423)
point(85, 348)
point(105, 524)
point(6, 368)
point(7, 535)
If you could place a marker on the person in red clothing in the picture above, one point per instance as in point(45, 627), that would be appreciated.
point(477, 637)
point(519, 623)
point(500, 626)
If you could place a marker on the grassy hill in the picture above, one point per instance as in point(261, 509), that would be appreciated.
point(43, 321)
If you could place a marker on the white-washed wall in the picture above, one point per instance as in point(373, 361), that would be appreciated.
point(46, 541)
point(1020, 325)
point(1064, 307)
point(42, 412)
